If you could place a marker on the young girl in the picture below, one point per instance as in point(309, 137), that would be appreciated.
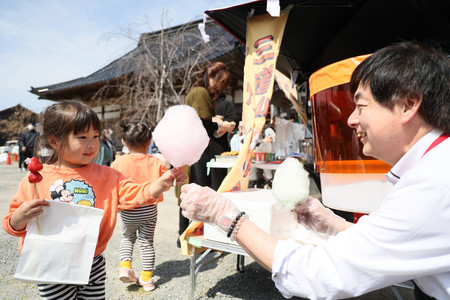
point(140, 222)
point(72, 130)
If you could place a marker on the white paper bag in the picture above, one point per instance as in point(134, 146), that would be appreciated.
point(63, 252)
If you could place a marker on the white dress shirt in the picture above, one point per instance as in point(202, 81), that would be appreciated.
point(407, 237)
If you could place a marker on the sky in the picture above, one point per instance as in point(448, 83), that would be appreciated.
point(44, 42)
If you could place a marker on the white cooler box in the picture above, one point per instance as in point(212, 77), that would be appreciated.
point(354, 192)
point(263, 210)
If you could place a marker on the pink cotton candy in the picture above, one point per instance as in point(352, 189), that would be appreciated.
point(180, 136)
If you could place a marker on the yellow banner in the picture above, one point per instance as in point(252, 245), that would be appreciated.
point(264, 36)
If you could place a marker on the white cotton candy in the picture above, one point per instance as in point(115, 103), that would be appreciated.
point(180, 136)
point(290, 184)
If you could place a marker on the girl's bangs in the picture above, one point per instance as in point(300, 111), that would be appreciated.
point(84, 119)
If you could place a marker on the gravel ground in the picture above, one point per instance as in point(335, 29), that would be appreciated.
point(218, 280)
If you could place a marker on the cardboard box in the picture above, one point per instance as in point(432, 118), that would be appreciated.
point(263, 210)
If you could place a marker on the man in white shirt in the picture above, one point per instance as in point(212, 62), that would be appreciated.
point(402, 117)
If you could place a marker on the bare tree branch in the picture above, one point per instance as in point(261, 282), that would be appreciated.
point(160, 70)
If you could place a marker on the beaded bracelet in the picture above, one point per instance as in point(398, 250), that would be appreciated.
point(239, 223)
point(230, 230)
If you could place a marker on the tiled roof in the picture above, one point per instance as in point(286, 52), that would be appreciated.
point(221, 43)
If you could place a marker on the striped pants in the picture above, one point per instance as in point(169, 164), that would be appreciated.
point(95, 289)
point(139, 223)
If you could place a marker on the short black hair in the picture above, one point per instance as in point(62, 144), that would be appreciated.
point(409, 69)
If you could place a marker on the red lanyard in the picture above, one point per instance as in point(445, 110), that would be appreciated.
point(437, 141)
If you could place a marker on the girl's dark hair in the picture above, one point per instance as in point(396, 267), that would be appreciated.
point(135, 133)
point(63, 118)
point(221, 75)
point(409, 69)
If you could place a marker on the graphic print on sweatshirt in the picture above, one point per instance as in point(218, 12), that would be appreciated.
point(73, 191)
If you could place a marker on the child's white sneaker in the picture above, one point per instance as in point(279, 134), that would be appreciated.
point(147, 285)
point(127, 275)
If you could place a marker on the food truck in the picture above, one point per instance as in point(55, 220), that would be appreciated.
point(322, 44)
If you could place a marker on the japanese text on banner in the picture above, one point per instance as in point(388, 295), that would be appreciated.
point(264, 36)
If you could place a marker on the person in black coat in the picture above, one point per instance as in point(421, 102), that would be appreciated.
point(26, 145)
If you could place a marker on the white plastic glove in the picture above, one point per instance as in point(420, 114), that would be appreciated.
point(316, 216)
point(206, 205)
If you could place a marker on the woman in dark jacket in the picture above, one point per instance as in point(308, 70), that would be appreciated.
point(211, 82)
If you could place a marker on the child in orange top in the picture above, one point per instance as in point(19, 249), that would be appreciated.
point(72, 130)
point(140, 222)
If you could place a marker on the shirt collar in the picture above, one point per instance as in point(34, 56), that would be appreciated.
point(412, 157)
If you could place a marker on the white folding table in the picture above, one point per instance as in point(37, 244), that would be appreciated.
point(199, 241)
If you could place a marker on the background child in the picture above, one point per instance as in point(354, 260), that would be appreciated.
point(72, 130)
point(140, 222)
